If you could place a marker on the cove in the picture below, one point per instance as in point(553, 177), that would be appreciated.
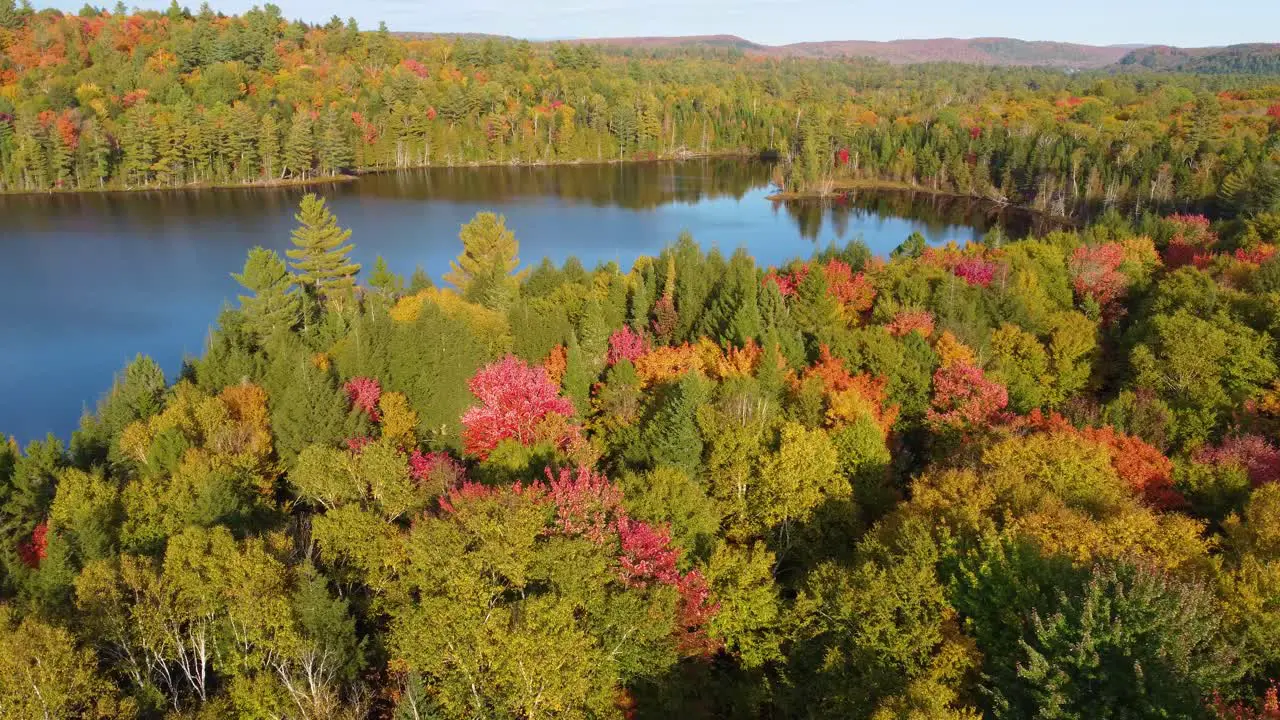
point(88, 281)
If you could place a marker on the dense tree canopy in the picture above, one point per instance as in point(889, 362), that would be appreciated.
point(155, 99)
point(1010, 479)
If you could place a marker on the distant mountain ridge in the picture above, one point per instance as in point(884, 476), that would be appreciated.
point(1257, 58)
point(981, 51)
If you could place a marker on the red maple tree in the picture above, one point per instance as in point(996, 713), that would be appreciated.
point(515, 399)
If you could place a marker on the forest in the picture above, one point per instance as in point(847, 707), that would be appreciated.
point(121, 100)
point(1010, 479)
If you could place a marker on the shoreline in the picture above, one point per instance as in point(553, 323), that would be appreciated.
point(355, 175)
point(846, 187)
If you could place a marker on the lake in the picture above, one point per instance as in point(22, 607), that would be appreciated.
point(88, 281)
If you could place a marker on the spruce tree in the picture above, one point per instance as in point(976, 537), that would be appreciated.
point(273, 306)
point(814, 310)
point(672, 436)
point(578, 376)
point(733, 314)
point(780, 331)
point(311, 409)
point(319, 256)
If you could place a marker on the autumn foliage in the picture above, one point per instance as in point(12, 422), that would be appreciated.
point(626, 344)
point(964, 397)
point(1254, 454)
point(515, 400)
point(585, 504)
point(364, 393)
point(32, 551)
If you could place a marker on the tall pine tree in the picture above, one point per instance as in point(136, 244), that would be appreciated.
point(483, 271)
point(319, 256)
point(300, 146)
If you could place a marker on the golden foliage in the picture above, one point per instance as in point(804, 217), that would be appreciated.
point(398, 420)
point(952, 351)
point(667, 362)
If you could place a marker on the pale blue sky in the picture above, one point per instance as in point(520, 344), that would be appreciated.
point(1098, 22)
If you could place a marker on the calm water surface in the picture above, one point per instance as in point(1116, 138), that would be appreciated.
point(88, 281)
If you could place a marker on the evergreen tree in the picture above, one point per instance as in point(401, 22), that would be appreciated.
point(274, 306)
point(578, 376)
point(385, 281)
point(269, 147)
point(813, 308)
point(319, 256)
point(733, 315)
point(483, 271)
point(310, 408)
point(780, 329)
point(336, 154)
point(299, 146)
point(672, 434)
point(419, 281)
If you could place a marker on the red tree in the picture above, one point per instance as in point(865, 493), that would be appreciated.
point(626, 344)
point(975, 271)
point(1095, 272)
point(32, 551)
point(909, 321)
point(364, 393)
point(439, 468)
point(964, 397)
point(514, 400)
point(853, 291)
point(1253, 453)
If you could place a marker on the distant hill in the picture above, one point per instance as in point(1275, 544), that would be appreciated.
point(982, 51)
point(1259, 58)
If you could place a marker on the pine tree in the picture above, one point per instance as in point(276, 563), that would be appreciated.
point(273, 305)
point(336, 154)
point(780, 331)
point(269, 146)
point(299, 147)
point(419, 281)
point(483, 271)
point(672, 436)
point(733, 316)
point(578, 376)
point(385, 281)
point(319, 256)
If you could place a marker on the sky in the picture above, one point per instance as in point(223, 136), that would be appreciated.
point(1187, 23)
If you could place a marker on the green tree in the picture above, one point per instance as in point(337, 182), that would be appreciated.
point(299, 146)
point(269, 147)
point(336, 155)
point(318, 255)
point(1132, 641)
point(44, 675)
point(483, 271)
point(274, 306)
